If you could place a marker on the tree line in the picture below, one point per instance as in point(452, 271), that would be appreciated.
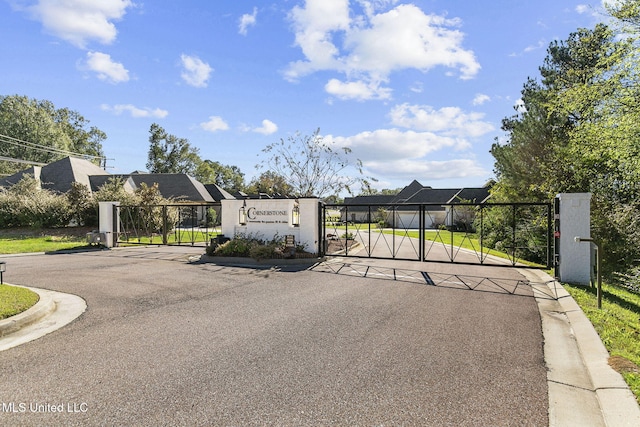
point(577, 129)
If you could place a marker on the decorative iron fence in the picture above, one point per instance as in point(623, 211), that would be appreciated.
point(172, 224)
point(487, 233)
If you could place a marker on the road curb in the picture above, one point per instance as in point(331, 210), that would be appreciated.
point(45, 306)
point(569, 395)
point(250, 262)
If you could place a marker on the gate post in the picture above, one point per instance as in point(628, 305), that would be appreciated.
point(109, 222)
point(574, 262)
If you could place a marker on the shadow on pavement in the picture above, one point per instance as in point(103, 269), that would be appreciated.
point(518, 287)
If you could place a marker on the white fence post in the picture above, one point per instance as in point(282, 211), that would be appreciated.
point(107, 222)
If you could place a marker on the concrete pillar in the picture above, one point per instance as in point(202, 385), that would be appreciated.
point(309, 224)
point(575, 221)
point(106, 222)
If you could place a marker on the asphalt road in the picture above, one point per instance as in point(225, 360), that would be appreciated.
point(168, 342)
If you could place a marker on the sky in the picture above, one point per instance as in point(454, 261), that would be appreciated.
point(416, 89)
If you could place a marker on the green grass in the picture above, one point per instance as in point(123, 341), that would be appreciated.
point(14, 300)
point(460, 240)
point(47, 243)
point(618, 324)
point(182, 236)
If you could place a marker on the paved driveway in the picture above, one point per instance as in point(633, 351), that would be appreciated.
point(168, 342)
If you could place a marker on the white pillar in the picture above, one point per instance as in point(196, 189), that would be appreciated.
point(106, 222)
point(309, 224)
point(575, 221)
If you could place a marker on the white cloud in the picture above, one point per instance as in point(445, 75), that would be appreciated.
point(480, 99)
point(449, 121)
point(79, 21)
point(404, 155)
point(136, 112)
point(107, 69)
point(247, 21)
point(267, 128)
point(374, 45)
point(358, 90)
point(408, 170)
point(394, 144)
point(583, 8)
point(215, 123)
point(195, 72)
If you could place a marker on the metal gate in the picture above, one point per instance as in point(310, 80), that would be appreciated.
point(172, 224)
point(467, 233)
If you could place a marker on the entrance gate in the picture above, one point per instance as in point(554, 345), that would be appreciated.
point(469, 233)
point(173, 224)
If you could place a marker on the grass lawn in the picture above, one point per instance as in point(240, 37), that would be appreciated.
point(17, 241)
point(618, 324)
point(14, 300)
point(460, 239)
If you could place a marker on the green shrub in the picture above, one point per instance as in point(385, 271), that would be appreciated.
point(268, 251)
point(25, 205)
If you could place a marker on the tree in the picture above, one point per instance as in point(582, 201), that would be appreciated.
point(113, 191)
point(312, 167)
point(49, 133)
point(270, 183)
point(627, 12)
point(228, 177)
point(82, 206)
point(170, 154)
point(579, 131)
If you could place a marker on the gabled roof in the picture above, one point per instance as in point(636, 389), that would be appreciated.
point(408, 192)
point(218, 193)
point(416, 193)
point(473, 195)
point(176, 186)
point(59, 175)
point(373, 199)
point(98, 181)
point(8, 181)
point(433, 195)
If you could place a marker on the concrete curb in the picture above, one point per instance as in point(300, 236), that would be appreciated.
point(583, 388)
point(53, 311)
point(250, 262)
point(45, 306)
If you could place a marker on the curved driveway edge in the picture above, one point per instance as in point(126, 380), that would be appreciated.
point(583, 388)
point(52, 311)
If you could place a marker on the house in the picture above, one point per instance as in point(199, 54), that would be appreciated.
point(404, 209)
point(59, 176)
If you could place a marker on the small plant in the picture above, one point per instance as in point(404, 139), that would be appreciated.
point(254, 246)
point(629, 280)
point(348, 236)
point(260, 252)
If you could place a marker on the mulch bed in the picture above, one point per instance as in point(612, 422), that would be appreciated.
point(335, 246)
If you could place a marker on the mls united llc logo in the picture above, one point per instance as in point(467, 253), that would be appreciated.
point(43, 408)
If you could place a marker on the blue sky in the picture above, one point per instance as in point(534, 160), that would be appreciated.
point(416, 89)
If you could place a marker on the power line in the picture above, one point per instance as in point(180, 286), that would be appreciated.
point(43, 148)
point(40, 147)
point(10, 159)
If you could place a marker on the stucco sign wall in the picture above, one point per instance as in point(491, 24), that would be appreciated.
point(267, 218)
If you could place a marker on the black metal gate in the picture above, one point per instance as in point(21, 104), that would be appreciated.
point(172, 224)
point(467, 233)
